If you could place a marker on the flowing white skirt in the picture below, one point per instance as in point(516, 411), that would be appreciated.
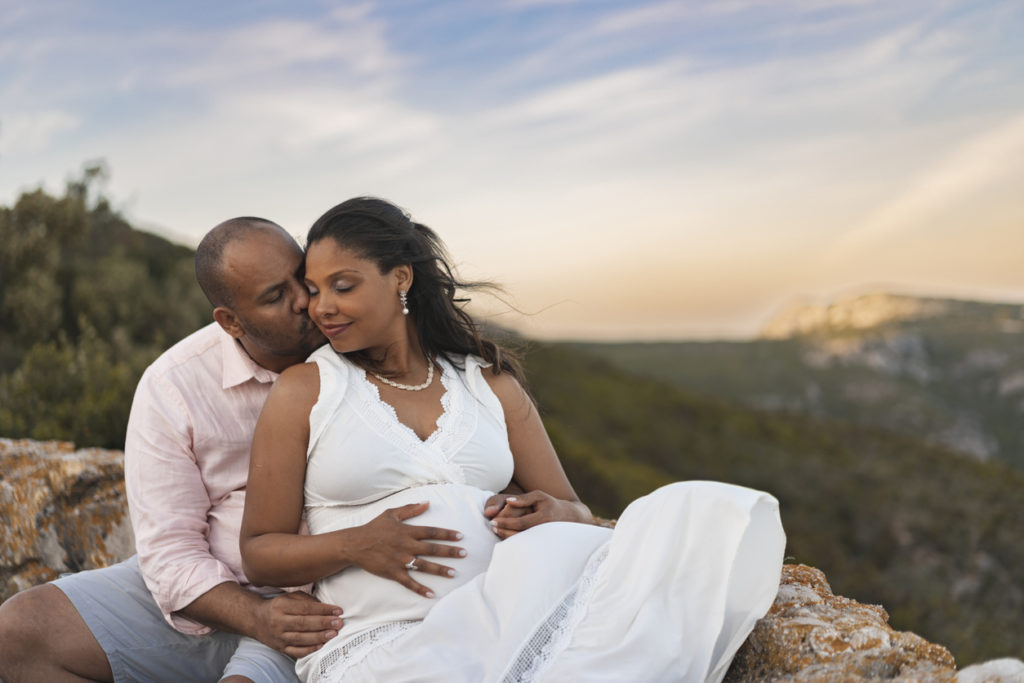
point(669, 595)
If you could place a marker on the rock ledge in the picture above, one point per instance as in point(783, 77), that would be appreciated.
point(64, 510)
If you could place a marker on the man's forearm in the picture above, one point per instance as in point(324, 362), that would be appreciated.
point(293, 623)
point(227, 607)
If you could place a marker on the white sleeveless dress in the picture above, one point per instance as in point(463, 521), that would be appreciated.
point(670, 595)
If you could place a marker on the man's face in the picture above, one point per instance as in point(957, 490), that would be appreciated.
point(263, 270)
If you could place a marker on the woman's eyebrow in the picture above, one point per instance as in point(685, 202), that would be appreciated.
point(339, 272)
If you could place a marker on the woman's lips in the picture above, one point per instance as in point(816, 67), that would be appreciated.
point(334, 329)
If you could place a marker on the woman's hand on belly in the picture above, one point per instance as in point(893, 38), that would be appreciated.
point(385, 546)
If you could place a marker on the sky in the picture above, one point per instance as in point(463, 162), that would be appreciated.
point(626, 170)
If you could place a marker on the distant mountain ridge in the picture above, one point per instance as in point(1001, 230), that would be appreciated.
point(879, 308)
point(947, 371)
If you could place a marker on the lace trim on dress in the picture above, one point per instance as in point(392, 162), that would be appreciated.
point(451, 425)
point(398, 427)
point(553, 634)
point(335, 663)
point(444, 422)
point(458, 423)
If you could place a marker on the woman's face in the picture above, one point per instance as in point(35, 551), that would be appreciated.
point(353, 304)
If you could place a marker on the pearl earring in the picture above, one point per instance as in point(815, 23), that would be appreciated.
point(405, 305)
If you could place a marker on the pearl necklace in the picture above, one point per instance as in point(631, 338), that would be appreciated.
point(409, 387)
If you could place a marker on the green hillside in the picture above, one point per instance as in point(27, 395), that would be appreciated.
point(86, 303)
point(945, 371)
point(931, 535)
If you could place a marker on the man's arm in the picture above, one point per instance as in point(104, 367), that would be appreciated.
point(169, 506)
point(293, 623)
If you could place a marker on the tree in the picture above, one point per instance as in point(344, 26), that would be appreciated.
point(86, 302)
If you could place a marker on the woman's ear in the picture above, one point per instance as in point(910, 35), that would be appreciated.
point(403, 275)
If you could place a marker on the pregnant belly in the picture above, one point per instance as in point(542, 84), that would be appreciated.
point(369, 600)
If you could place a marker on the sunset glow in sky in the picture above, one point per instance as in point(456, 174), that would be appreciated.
point(628, 170)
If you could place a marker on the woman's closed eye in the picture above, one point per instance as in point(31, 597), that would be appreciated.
point(338, 287)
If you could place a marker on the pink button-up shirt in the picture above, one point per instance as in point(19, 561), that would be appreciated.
point(186, 465)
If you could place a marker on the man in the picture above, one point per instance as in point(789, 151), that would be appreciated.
point(172, 613)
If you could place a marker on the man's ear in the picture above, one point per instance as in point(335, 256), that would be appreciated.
point(228, 321)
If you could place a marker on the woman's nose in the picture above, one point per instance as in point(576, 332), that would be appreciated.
point(321, 307)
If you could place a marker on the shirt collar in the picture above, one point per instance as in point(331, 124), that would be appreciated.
point(239, 367)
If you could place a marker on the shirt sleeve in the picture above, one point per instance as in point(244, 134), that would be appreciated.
point(169, 503)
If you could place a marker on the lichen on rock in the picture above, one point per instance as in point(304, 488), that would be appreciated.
point(63, 510)
point(811, 634)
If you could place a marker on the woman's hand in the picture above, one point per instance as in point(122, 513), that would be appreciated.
point(510, 514)
point(498, 506)
point(385, 546)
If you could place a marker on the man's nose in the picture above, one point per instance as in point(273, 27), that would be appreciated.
point(300, 300)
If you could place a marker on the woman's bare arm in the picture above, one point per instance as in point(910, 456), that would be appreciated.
point(549, 495)
point(273, 552)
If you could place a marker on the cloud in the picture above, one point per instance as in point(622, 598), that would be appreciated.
point(985, 158)
point(545, 137)
point(647, 16)
point(27, 133)
point(611, 96)
point(542, 3)
point(676, 114)
point(348, 44)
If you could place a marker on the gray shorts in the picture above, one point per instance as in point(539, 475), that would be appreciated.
point(141, 646)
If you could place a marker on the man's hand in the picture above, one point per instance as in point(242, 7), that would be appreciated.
point(296, 623)
point(293, 623)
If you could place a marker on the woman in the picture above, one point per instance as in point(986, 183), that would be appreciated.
point(393, 438)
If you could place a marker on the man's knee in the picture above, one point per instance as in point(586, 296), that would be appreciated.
point(41, 631)
point(20, 615)
point(20, 619)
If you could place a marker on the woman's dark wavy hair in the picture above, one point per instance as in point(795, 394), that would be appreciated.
point(381, 232)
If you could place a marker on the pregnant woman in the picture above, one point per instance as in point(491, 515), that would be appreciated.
point(392, 441)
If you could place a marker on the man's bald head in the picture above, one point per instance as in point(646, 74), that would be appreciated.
point(210, 255)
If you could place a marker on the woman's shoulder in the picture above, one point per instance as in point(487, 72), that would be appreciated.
point(327, 354)
point(298, 372)
point(330, 366)
point(300, 381)
point(504, 386)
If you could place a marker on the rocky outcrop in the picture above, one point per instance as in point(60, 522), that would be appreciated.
point(810, 634)
point(859, 313)
point(870, 311)
point(64, 510)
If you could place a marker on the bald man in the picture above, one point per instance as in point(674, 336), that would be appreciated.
point(176, 611)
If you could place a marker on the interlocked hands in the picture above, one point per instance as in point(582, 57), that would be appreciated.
point(512, 513)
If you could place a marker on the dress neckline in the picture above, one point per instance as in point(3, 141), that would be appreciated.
point(441, 425)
